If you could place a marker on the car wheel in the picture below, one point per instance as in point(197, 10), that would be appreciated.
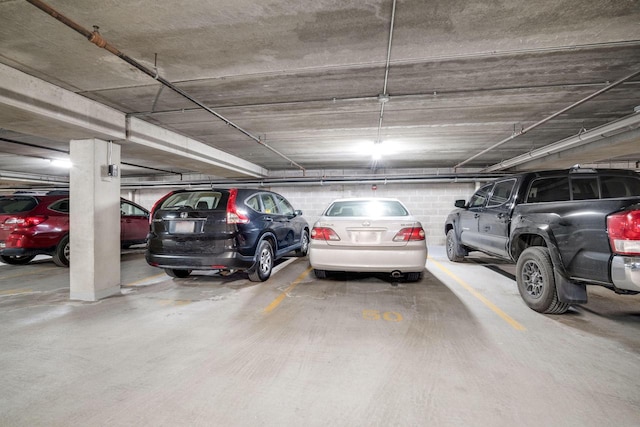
point(178, 273)
point(414, 276)
point(62, 253)
point(17, 259)
point(453, 248)
point(536, 281)
point(304, 244)
point(320, 274)
point(261, 270)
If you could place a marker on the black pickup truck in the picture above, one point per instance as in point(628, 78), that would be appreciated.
point(564, 229)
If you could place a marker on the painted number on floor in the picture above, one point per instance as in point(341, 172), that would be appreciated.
point(389, 316)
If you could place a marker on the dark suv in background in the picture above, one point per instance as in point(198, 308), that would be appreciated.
point(34, 224)
point(224, 229)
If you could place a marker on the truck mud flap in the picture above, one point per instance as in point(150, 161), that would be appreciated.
point(570, 293)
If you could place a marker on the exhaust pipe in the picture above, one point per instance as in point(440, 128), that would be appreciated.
point(396, 274)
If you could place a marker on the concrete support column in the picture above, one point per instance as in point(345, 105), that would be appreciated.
point(94, 220)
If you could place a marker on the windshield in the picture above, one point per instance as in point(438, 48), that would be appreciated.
point(368, 208)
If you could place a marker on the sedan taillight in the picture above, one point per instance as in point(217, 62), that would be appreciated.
point(409, 234)
point(624, 232)
point(324, 233)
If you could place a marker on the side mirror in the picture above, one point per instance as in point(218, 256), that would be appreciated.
point(460, 203)
point(297, 212)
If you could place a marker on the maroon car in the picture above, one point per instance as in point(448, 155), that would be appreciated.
point(32, 225)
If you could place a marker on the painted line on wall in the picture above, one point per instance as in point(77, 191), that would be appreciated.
point(513, 323)
point(276, 302)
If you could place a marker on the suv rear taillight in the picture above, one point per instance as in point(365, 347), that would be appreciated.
point(409, 234)
point(324, 233)
point(235, 215)
point(24, 222)
point(624, 232)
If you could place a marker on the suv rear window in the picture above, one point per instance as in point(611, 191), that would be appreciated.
point(10, 205)
point(199, 200)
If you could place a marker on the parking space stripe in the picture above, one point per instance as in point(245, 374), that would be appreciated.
point(145, 280)
point(276, 302)
point(514, 324)
point(32, 273)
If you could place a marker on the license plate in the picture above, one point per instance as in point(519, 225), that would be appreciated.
point(365, 237)
point(3, 245)
point(184, 226)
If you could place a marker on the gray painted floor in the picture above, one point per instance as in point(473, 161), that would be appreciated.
point(458, 348)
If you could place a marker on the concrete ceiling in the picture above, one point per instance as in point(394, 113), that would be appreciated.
point(308, 79)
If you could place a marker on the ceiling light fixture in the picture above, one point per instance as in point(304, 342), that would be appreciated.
point(376, 151)
point(61, 163)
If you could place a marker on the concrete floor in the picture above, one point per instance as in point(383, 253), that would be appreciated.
point(459, 348)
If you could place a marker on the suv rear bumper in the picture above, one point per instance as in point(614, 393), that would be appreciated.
point(25, 252)
point(625, 273)
point(228, 260)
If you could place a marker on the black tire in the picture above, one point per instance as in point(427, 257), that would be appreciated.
point(261, 270)
point(304, 244)
point(177, 273)
point(62, 253)
point(320, 274)
point(414, 276)
point(17, 259)
point(537, 283)
point(453, 247)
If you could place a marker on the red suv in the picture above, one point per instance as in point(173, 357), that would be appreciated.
point(31, 225)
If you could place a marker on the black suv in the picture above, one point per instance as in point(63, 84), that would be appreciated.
point(224, 229)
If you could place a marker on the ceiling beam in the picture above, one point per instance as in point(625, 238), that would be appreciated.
point(35, 107)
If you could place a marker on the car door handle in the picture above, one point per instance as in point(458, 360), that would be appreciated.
point(500, 215)
point(476, 215)
point(268, 218)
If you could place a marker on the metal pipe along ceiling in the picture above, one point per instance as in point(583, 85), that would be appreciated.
point(95, 38)
point(551, 117)
point(384, 96)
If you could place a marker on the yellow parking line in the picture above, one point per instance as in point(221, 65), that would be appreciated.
point(276, 302)
point(514, 324)
point(12, 292)
point(33, 273)
point(128, 285)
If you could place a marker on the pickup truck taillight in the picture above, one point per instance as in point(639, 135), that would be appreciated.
point(624, 232)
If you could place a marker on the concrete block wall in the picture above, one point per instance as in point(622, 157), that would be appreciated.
point(430, 203)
